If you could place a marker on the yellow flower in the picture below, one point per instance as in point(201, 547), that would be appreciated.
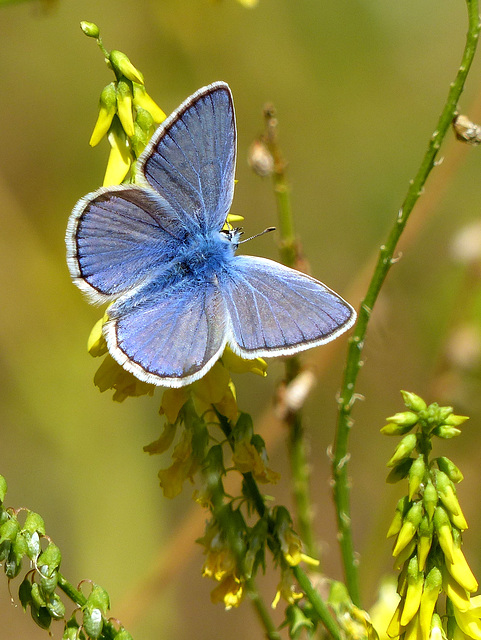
point(183, 467)
point(286, 590)
point(172, 402)
point(143, 100)
point(96, 344)
point(124, 106)
point(107, 110)
point(230, 591)
point(248, 459)
point(120, 158)
point(236, 364)
point(469, 621)
point(110, 375)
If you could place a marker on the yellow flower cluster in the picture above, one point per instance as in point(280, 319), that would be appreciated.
point(428, 526)
point(127, 114)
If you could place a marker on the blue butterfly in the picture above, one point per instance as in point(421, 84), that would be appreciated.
point(156, 251)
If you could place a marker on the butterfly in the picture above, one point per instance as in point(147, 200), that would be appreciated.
point(158, 252)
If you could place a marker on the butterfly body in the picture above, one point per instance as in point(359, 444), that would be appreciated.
point(158, 252)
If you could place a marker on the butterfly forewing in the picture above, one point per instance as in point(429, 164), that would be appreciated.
point(191, 158)
point(275, 310)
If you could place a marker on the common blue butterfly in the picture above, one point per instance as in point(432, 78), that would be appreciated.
point(157, 252)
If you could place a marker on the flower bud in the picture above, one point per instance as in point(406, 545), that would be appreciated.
point(413, 402)
point(400, 471)
point(432, 588)
point(409, 527)
point(430, 499)
point(143, 100)
point(124, 105)
point(396, 524)
point(3, 489)
point(455, 421)
point(442, 526)
point(404, 449)
point(449, 468)
point(460, 570)
point(123, 67)
point(107, 110)
point(416, 475)
point(425, 539)
point(90, 29)
point(445, 431)
point(415, 582)
point(447, 492)
point(404, 418)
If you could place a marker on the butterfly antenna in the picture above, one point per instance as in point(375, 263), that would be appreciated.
point(258, 234)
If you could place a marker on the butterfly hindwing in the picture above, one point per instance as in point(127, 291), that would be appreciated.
point(191, 158)
point(168, 335)
point(275, 310)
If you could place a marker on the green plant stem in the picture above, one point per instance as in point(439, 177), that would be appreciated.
point(356, 342)
point(262, 611)
point(108, 630)
point(289, 254)
point(312, 595)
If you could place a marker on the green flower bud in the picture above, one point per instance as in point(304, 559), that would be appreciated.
point(413, 402)
point(107, 110)
point(455, 421)
point(409, 527)
point(443, 413)
point(393, 429)
point(449, 468)
point(90, 29)
point(447, 492)
point(416, 475)
point(445, 431)
point(404, 449)
point(124, 105)
point(404, 418)
point(432, 589)
point(443, 529)
point(430, 499)
point(123, 67)
point(400, 471)
point(3, 489)
point(425, 539)
point(401, 509)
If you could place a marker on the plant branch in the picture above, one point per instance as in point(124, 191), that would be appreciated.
point(384, 263)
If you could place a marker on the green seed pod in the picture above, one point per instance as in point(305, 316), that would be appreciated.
point(404, 449)
point(9, 530)
point(450, 469)
point(38, 597)
point(25, 593)
point(40, 616)
point(56, 607)
point(99, 598)
point(412, 401)
point(34, 523)
point(416, 475)
point(51, 557)
point(123, 634)
point(92, 622)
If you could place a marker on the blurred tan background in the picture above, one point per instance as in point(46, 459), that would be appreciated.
point(358, 86)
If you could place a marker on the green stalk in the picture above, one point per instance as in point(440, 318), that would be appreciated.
point(356, 342)
point(289, 254)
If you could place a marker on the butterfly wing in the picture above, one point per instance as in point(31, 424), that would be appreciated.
point(169, 334)
point(275, 310)
point(190, 159)
point(117, 238)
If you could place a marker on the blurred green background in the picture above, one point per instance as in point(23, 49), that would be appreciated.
point(358, 86)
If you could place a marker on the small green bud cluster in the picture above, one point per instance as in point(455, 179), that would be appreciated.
point(127, 114)
point(38, 590)
point(428, 521)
